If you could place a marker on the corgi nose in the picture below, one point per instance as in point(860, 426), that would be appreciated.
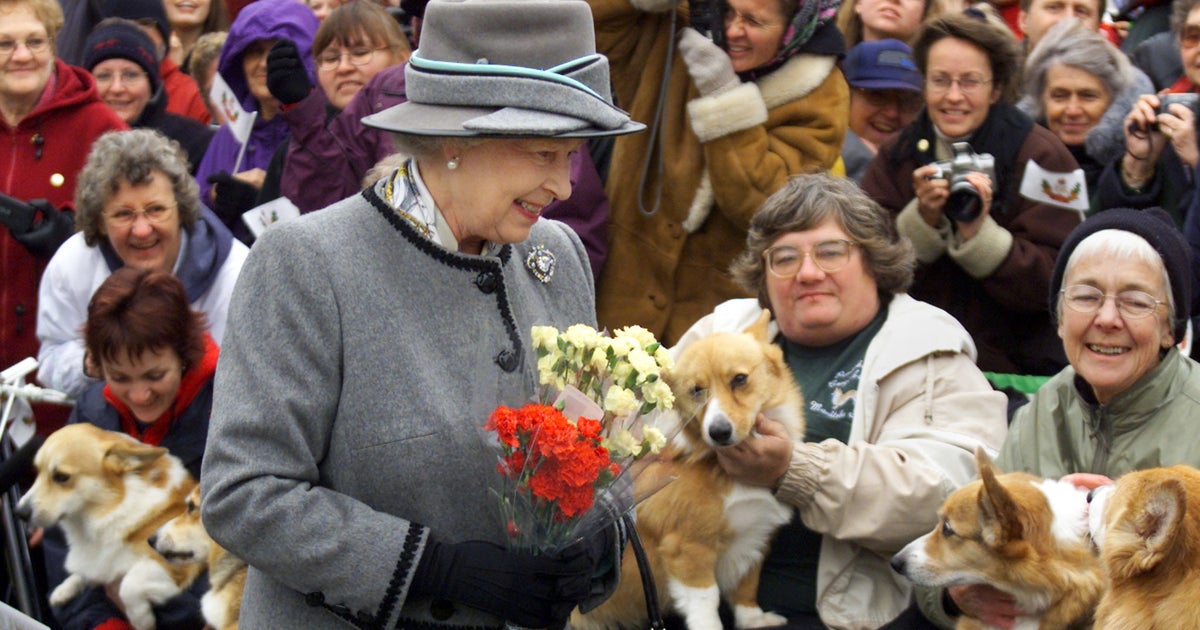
point(24, 512)
point(721, 432)
point(898, 564)
point(153, 540)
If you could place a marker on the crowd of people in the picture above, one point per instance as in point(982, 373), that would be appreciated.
point(878, 174)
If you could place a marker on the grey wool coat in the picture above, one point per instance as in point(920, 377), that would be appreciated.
point(359, 365)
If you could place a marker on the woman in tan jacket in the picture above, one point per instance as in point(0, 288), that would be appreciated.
point(728, 126)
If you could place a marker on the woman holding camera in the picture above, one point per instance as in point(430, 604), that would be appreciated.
point(1161, 149)
point(984, 253)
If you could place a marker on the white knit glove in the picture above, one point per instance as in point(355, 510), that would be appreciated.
point(710, 68)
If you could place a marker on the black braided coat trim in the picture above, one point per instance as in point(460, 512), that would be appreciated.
point(408, 556)
point(457, 261)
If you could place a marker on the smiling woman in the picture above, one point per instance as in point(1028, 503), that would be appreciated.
point(987, 264)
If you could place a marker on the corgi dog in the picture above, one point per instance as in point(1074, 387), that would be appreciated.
point(109, 492)
point(183, 540)
point(1147, 528)
point(705, 534)
point(1023, 535)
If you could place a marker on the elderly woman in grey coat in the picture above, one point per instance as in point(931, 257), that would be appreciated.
point(1081, 87)
point(368, 342)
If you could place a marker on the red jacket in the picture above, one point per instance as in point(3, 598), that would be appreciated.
point(40, 159)
point(183, 95)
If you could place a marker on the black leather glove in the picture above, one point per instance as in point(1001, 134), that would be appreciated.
point(523, 589)
point(234, 197)
point(43, 239)
point(286, 77)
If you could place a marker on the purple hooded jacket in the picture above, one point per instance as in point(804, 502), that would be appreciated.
point(262, 19)
point(327, 160)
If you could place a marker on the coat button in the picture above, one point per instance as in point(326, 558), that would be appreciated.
point(487, 282)
point(315, 599)
point(441, 609)
point(658, 300)
point(508, 360)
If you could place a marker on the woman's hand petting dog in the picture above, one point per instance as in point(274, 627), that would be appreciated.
point(1087, 481)
point(988, 604)
point(761, 459)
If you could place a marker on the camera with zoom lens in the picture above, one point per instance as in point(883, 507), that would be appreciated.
point(708, 17)
point(964, 203)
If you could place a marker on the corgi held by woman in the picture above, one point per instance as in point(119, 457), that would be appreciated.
point(1147, 528)
point(183, 540)
point(109, 492)
point(705, 534)
point(1023, 535)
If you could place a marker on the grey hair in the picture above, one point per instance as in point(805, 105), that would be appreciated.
point(129, 157)
point(1179, 13)
point(806, 201)
point(1071, 43)
point(1119, 245)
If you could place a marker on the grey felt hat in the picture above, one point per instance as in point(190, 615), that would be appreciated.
point(507, 68)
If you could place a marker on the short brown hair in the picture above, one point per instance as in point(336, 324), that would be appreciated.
point(806, 201)
point(136, 310)
point(361, 23)
point(996, 41)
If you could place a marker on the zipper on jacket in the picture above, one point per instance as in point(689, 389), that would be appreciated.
point(1102, 433)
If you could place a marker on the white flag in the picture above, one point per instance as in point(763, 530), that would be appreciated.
point(239, 120)
point(1065, 190)
point(264, 216)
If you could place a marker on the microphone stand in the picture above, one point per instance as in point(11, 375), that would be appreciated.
point(16, 557)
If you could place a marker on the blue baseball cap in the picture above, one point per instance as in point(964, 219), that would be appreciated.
point(886, 64)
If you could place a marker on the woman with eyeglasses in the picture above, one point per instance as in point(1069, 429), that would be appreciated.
point(136, 206)
point(121, 58)
point(1129, 399)
point(1081, 87)
point(986, 252)
point(49, 116)
point(893, 402)
point(230, 176)
point(355, 43)
point(1161, 146)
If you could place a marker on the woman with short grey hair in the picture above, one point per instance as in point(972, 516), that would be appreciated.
point(1080, 87)
point(136, 205)
point(894, 403)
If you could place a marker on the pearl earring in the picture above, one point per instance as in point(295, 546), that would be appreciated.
point(453, 163)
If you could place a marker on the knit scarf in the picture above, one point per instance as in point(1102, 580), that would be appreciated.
point(193, 381)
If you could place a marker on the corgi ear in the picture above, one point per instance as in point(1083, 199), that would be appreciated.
point(758, 329)
point(998, 514)
point(129, 455)
point(1156, 524)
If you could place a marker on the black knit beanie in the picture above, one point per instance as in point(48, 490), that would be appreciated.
point(139, 11)
point(122, 40)
point(1157, 227)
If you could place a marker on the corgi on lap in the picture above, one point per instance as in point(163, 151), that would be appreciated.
point(705, 534)
point(1023, 535)
point(109, 492)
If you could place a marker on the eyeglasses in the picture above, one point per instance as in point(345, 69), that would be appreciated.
point(748, 21)
point(907, 102)
point(125, 217)
point(35, 45)
point(967, 85)
point(1087, 299)
point(358, 57)
point(128, 77)
point(1189, 36)
point(784, 261)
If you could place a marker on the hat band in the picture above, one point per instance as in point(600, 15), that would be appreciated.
point(565, 89)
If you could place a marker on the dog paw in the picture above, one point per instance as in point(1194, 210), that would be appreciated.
point(755, 617)
point(67, 591)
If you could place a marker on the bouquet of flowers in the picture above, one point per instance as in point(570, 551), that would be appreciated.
point(567, 460)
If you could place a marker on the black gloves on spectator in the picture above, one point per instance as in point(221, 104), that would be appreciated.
point(523, 589)
point(234, 197)
point(286, 77)
point(42, 238)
